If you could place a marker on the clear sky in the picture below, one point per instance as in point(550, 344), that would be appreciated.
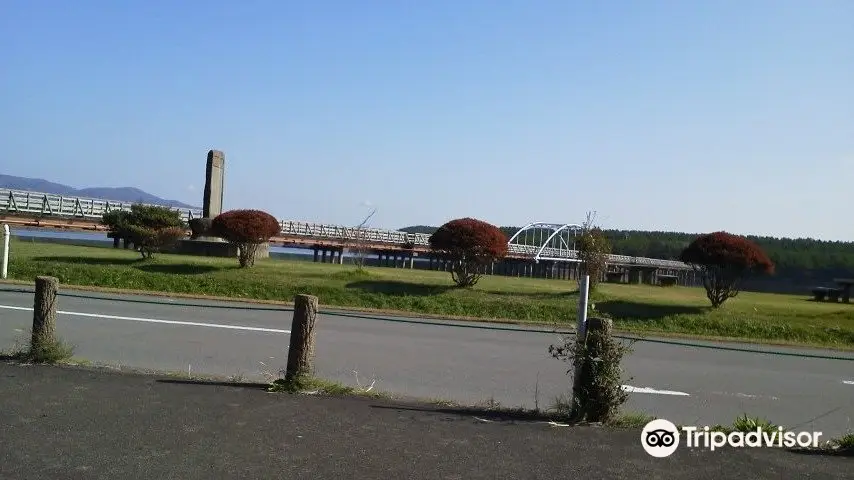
point(667, 115)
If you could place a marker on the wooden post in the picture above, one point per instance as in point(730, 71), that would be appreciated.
point(44, 312)
point(301, 351)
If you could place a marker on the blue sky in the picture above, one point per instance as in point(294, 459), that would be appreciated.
point(663, 115)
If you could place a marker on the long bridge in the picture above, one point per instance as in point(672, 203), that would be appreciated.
point(537, 249)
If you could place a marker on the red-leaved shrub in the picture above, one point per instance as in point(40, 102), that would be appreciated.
point(724, 260)
point(470, 244)
point(247, 229)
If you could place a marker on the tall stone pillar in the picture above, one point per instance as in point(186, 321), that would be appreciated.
point(214, 182)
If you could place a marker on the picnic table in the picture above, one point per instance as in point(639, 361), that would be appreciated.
point(845, 286)
point(822, 293)
point(843, 291)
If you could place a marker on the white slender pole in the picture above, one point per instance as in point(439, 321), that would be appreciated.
point(580, 335)
point(5, 250)
point(583, 291)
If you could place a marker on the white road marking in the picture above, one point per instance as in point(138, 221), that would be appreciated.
point(154, 320)
point(848, 382)
point(744, 395)
point(632, 389)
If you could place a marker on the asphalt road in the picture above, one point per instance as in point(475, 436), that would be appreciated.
point(70, 423)
point(684, 384)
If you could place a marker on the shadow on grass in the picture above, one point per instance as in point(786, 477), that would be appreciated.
point(621, 309)
point(400, 289)
point(177, 269)
point(90, 260)
point(535, 295)
point(140, 263)
point(215, 383)
point(491, 414)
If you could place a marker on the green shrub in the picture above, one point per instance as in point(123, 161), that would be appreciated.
point(150, 228)
point(598, 391)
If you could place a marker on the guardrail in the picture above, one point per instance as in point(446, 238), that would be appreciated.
point(39, 203)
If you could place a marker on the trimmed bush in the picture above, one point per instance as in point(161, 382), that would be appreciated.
point(723, 260)
point(470, 244)
point(150, 228)
point(246, 229)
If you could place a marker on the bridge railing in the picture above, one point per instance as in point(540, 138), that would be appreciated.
point(343, 233)
point(391, 237)
point(39, 203)
point(652, 262)
point(47, 204)
point(564, 254)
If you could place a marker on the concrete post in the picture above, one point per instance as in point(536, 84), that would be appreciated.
point(214, 176)
point(6, 236)
point(301, 350)
point(44, 312)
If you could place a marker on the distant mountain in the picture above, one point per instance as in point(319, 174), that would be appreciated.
point(123, 194)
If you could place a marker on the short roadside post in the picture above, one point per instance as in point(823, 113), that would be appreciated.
point(6, 236)
point(301, 350)
point(44, 313)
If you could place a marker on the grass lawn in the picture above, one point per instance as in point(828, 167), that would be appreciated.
point(767, 318)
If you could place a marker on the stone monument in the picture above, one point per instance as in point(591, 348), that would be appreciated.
point(214, 176)
point(202, 242)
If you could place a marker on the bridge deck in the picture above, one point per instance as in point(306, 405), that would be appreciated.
point(44, 210)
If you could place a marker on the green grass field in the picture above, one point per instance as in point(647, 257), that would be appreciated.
point(766, 318)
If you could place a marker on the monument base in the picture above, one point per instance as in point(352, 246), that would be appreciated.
point(263, 251)
point(206, 248)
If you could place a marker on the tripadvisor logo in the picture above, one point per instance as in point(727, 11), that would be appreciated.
point(660, 438)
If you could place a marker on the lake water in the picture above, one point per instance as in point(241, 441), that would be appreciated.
point(96, 238)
